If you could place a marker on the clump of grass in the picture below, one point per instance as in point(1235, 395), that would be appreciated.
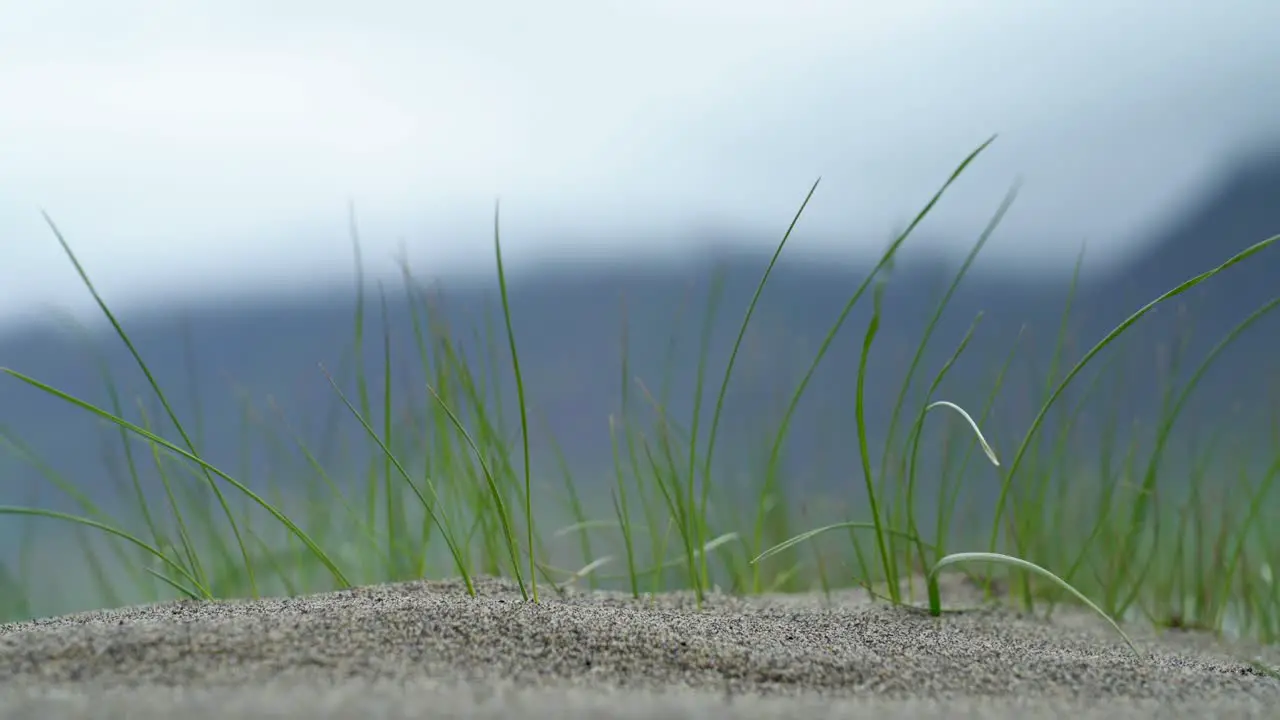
point(448, 475)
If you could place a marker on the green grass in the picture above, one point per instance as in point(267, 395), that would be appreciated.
point(448, 495)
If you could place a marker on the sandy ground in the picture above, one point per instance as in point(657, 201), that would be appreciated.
point(426, 649)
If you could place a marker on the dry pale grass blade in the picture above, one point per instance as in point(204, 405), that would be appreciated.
point(986, 448)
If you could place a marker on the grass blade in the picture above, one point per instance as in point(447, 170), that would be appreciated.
point(935, 601)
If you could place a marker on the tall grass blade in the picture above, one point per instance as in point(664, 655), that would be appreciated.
point(110, 530)
point(156, 439)
point(155, 386)
point(1119, 329)
point(737, 345)
point(520, 397)
point(775, 452)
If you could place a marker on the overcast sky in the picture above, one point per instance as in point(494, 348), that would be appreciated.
point(189, 147)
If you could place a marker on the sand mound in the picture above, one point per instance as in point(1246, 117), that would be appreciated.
point(427, 649)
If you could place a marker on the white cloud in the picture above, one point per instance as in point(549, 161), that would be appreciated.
point(188, 146)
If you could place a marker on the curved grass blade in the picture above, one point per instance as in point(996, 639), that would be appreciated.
point(186, 592)
point(503, 516)
point(982, 441)
point(585, 571)
point(915, 435)
point(1119, 329)
point(737, 345)
point(152, 437)
point(373, 434)
point(1139, 513)
point(775, 451)
point(665, 564)
point(155, 386)
point(55, 515)
point(935, 601)
point(987, 232)
point(810, 534)
point(943, 519)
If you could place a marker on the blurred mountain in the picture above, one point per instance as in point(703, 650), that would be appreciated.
point(227, 363)
point(1242, 208)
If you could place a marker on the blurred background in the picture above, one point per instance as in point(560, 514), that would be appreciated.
point(207, 162)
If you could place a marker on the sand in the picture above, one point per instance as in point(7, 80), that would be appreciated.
point(426, 649)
